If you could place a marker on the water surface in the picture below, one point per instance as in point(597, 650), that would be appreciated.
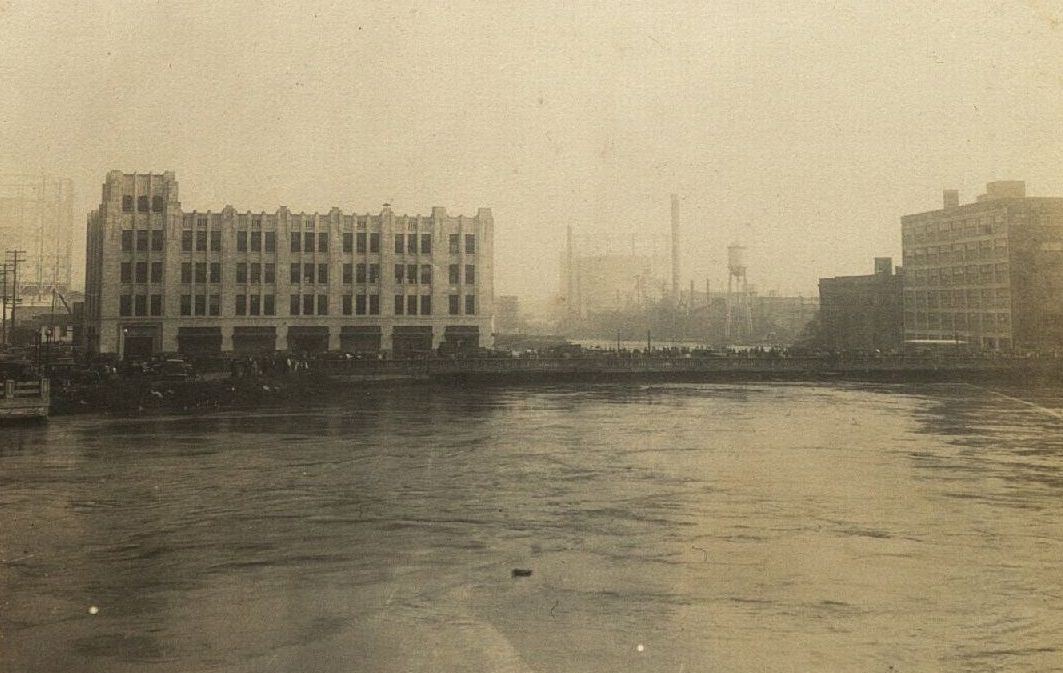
point(668, 528)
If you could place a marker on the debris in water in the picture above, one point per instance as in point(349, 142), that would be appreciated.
point(522, 572)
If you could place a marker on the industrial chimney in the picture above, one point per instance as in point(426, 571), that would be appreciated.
point(950, 198)
point(675, 248)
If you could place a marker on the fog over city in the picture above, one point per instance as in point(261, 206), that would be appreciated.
point(804, 131)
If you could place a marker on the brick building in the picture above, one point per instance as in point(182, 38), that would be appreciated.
point(159, 279)
point(862, 313)
point(988, 273)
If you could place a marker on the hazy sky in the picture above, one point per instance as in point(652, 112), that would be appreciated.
point(805, 130)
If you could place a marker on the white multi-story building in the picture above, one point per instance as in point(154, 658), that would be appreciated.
point(159, 279)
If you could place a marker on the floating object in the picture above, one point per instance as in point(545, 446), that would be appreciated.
point(522, 572)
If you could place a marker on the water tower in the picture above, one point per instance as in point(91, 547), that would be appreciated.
point(739, 325)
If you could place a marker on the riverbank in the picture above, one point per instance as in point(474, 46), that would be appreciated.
point(136, 395)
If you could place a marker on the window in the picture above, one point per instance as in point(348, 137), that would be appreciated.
point(156, 304)
point(201, 304)
point(374, 273)
point(400, 244)
point(127, 203)
point(374, 243)
point(293, 308)
point(470, 244)
point(347, 304)
point(215, 272)
point(308, 241)
point(241, 241)
point(256, 272)
point(256, 221)
point(125, 305)
point(142, 272)
point(400, 272)
point(470, 274)
point(411, 305)
point(411, 244)
point(241, 304)
point(454, 274)
point(271, 241)
point(186, 272)
point(470, 304)
point(256, 305)
point(186, 240)
point(215, 240)
point(359, 304)
point(201, 272)
point(426, 274)
point(186, 304)
point(308, 273)
point(455, 304)
point(201, 222)
point(400, 302)
point(426, 304)
point(127, 240)
point(156, 272)
point(359, 275)
point(215, 304)
point(156, 205)
point(241, 272)
point(426, 244)
point(411, 274)
point(295, 277)
point(269, 274)
point(256, 241)
point(374, 304)
point(322, 242)
point(360, 240)
point(127, 272)
point(157, 239)
point(348, 274)
point(142, 204)
point(308, 304)
point(201, 241)
point(269, 306)
point(140, 305)
point(142, 240)
point(295, 242)
point(322, 273)
point(348, 242)
point(322, 304)
point(455, 244)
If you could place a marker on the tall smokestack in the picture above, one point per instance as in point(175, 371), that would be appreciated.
point(675, 247)
point(570, 275)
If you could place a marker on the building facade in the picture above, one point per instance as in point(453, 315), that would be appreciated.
point(161, 280)
point(988, 273)
point(862, 313)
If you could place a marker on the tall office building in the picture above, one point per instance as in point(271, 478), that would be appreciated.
point(988, 273)
point(159, 279)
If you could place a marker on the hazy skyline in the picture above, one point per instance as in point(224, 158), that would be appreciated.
point(806, 130)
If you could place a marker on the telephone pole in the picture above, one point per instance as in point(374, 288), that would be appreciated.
point(14, 258)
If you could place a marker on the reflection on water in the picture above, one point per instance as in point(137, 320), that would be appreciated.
point(720, 528)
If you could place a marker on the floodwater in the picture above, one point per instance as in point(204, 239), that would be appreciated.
point(727, 528)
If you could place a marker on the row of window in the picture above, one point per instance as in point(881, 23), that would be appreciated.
point(140, 304)
point(987, 297)
point(140, 240)
point(142, 204)
point(300, 304)
point(266, 241)
point(256, 272)
point(982, 322)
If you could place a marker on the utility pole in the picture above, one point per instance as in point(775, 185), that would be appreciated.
point(14, 258)
point(3, 304)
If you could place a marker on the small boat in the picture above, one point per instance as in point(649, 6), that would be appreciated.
point(23, 395)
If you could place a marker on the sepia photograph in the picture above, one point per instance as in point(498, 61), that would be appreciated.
point(456, 336)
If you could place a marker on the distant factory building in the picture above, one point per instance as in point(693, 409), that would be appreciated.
point(862, 313)
point(988, 273)
point(159, 279)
